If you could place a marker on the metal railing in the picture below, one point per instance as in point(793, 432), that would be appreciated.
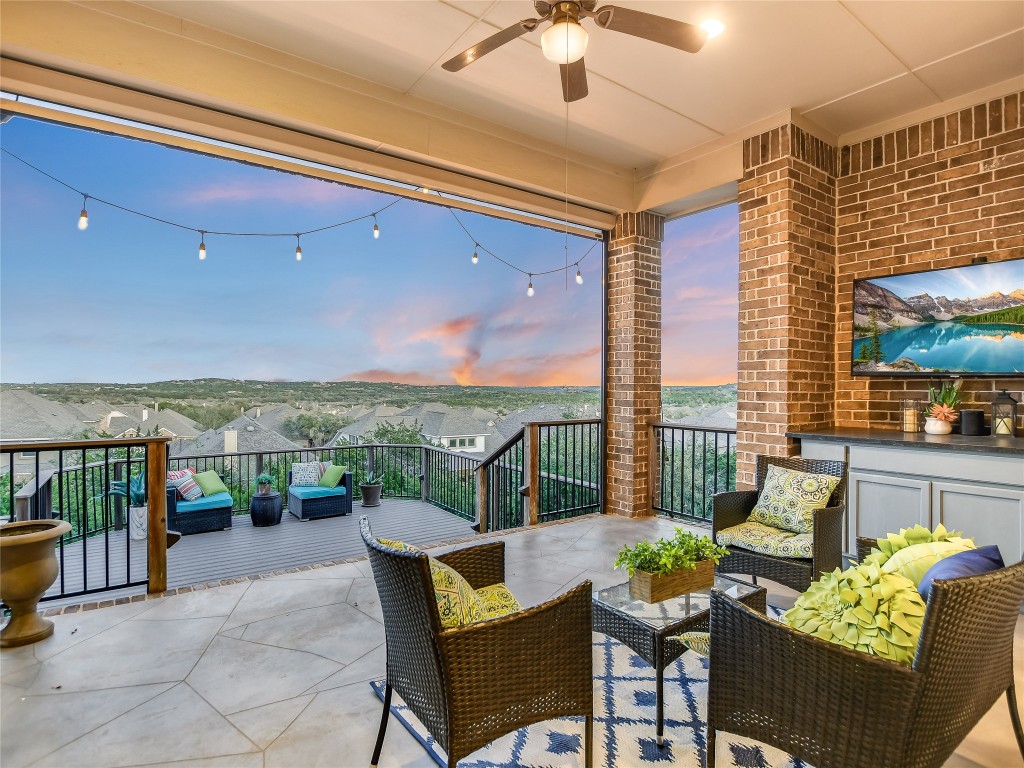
point(692, 464)
point(501, 480)
point(449, 481)
point(78, 481)
point(569, 457)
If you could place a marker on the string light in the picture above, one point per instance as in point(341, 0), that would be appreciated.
point(579, 276)
point(529, 288)
point(202, 245)
point(475, 257)
point(376, 229)
point(298, 248)
point(83, 219)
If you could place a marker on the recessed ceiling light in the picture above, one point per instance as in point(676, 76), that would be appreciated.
point(713, 27)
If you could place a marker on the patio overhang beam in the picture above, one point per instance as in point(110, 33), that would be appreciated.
point(80, 93)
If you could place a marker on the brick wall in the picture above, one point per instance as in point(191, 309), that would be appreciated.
point(936, 194)
point(633, 364)
point(787, 278)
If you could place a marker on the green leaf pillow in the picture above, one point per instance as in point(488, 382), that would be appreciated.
point(332, 476)
point(863, 608)
point(789, 498)
point(210, 482)
point(912, 551)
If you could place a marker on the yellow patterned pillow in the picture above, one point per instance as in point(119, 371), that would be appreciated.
point(401, 546)
point(498, 600)
point(789, 498)
point(457, 602)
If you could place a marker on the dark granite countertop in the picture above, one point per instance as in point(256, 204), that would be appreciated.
point(895, 439)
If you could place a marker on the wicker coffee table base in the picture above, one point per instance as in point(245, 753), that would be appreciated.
point(652, 644)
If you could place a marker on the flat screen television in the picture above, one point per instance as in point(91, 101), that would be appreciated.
point(959, 321)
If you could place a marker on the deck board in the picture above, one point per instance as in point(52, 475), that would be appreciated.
point(244, 550)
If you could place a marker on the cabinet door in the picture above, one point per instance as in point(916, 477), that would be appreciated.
point(990, 514)
point(880, 504)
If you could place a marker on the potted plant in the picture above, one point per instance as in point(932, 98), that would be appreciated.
point(671, 566)
point(28, 566)
point(371, 489)
point(942, 408)
point(134, 489)
point(264, 484)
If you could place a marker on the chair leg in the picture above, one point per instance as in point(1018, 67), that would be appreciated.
point(1011, 699)
point(588, 737)
point(710, 751)
point(383, 725)
point(753, 580)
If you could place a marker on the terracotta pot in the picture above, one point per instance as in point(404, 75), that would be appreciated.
point(28, 567)
point(937, 426)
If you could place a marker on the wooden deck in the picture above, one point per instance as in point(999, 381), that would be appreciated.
point(244, 550)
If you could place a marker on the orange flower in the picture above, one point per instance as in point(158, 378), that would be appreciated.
point(942, 412)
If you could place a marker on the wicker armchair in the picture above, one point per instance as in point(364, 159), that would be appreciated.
point(839, 708)
point(733, 507)
point(469, 685)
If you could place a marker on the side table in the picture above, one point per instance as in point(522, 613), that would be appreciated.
point(265, 509)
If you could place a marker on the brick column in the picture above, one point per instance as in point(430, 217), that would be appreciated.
point(633, 362)
point(787, 202)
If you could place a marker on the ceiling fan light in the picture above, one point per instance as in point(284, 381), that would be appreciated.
point(713, 27)
point(564, 42)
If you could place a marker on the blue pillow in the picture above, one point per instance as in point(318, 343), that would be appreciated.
point(973, 562)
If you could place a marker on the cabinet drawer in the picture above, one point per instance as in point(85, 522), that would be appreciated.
point(973, 467)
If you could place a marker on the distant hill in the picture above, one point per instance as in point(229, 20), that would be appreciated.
point(1010, 316)
point(889, 309)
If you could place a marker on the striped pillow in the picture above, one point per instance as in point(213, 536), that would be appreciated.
point(182, 480)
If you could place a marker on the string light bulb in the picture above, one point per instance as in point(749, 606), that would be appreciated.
point(298, 249)
point(579, 276)
point(529, 288)
point(202, 245)
point(83, 218)
point(376, 229)
point(476, 258)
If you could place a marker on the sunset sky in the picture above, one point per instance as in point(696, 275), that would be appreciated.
point(128, 300)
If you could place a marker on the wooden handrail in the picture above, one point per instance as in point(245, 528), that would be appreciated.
point(43, 446)
point(694, 427)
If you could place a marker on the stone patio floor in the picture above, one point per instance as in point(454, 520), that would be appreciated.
point(273, 672)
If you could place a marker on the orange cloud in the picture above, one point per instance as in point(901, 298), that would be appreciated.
point(386, 376)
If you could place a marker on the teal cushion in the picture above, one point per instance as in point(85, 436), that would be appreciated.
point(215, 501)
point(315, 491)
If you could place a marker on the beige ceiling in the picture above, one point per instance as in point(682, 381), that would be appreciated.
point(844, 65)
point(359, 85)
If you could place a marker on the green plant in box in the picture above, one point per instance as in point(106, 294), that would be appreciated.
point(264, 483)
point(682, 551)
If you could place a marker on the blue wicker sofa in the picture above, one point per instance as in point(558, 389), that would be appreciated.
point(207, 513)
point(311, 502)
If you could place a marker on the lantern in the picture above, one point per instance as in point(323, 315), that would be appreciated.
point(1004, 414)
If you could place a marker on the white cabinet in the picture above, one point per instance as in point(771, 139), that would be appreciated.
point(897, 487)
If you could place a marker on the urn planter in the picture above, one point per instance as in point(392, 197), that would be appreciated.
point(655, 587)
point(371, 494)
point(28, 567)
point(937, 426)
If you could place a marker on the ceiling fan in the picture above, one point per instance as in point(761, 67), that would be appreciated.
point(565, 41)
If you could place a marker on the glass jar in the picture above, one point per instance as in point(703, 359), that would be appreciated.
point(910, 415)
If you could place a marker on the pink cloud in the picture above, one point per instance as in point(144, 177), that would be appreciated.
point(384, 375)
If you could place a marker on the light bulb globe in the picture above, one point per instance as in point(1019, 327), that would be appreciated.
point(376, 232)
point(83, 220)
point(202, 252)
point(579, 278)
point(298, 253)
point(529, 290)
point(475, 257)
point(564, 42)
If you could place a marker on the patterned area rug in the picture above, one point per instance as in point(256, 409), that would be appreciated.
point(624, 702)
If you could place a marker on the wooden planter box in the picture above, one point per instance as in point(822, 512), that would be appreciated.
point(655, 587)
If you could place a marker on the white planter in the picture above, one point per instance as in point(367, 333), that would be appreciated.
point(138, 522)
point(937, 426)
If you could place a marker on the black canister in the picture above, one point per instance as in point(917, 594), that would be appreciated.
point(972, 422)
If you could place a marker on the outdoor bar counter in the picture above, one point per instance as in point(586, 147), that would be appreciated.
point(899, 479)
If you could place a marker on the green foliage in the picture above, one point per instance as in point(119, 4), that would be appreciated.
point(724, 394)
point(212, 416)
point(264, 479)
point(684, 550)
point(949, 394)
point(134, 489)
point(374, 478)
point(395, 434)
point(317, 427)
point(871, 352)
point(1010, 316)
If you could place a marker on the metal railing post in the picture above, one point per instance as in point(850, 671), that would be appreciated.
point(156, 487)
point(654, 468)
point(425, 474)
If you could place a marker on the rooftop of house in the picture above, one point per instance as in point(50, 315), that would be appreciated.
point(253, 437)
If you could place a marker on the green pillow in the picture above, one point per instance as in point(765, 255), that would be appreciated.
point(908, 537)
point(210, 482)
point(332, 476)
point(863, 608)
point(914, 561)
point(789, 498)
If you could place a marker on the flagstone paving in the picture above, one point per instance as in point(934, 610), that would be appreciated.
point(273, 673)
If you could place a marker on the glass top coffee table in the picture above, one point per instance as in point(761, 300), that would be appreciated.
point(644, 626)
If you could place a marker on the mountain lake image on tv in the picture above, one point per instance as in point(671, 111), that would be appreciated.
point(962, 320)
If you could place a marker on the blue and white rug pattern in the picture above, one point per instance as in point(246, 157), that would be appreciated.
point(624, 723)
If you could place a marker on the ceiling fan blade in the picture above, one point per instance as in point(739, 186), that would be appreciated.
point(487, 45)
point(574, 80)
point(677, 34)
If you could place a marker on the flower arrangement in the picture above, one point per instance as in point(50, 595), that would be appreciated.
point(943, 403)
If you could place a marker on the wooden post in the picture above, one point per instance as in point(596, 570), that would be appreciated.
point(156, 488)
point(533, 472)
point(482, 497)
point(425, 474)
